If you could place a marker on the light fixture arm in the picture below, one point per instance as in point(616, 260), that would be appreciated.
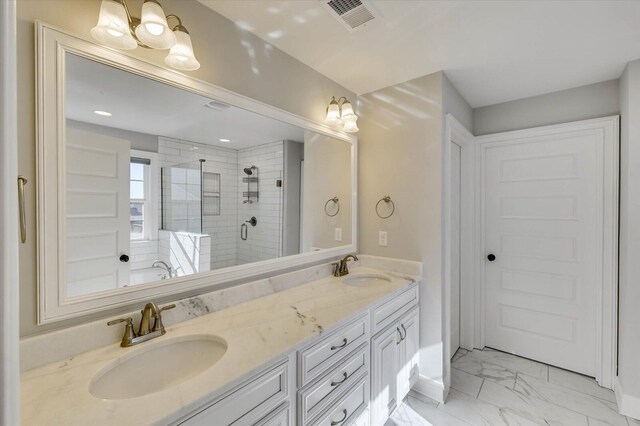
point(178, 27)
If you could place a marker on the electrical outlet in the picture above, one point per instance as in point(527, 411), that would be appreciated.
point(338, 234)
point(382, 238)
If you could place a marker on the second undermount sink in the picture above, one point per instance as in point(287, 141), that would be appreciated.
point(157, 367)
point(363, 280)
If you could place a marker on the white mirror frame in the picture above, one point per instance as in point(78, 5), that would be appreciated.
point(52, 44)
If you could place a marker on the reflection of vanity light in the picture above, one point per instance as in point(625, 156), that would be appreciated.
point(225, 140)
point(117, 28)
point(340, 112)
point(103, 113)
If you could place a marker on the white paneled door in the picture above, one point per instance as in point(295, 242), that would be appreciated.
point(97, 212)
point(544, 195)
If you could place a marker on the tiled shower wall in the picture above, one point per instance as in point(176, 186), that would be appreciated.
point(264, 241)
point(222, 228)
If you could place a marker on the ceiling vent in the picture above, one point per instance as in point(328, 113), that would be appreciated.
point(352, 14)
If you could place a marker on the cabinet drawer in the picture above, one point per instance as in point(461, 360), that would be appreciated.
point(316, 359)
point(319, 395)
point(248, 403)
point(349, 407)
point(390, 311)
point(279, 417)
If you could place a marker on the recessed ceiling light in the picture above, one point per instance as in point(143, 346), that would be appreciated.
point(225, 140)
point(103, 113)
point(216, 106)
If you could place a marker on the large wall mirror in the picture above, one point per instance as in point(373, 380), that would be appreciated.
point(153, 183)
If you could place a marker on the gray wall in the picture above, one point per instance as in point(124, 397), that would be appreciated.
point(139, 141)
point(456, 105)
point(293, 155)
point(400, 154)
point(580, 103)
point(230, 57)
point(327, 174)
point(629, 312)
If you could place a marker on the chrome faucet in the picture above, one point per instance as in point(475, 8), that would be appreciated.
point(340, 269)
point(163, 264)
point(145, 332)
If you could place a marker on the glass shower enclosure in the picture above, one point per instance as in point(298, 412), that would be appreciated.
point(188, 193)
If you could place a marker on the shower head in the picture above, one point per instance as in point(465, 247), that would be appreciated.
point(249, 170)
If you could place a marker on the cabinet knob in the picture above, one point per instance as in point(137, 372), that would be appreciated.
point(124, 258)
point(491, 257)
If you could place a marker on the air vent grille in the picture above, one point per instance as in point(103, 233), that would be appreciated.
point(352, 14)
point(343, 6)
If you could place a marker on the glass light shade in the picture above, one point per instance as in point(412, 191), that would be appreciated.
point(113, 26)
point(333, 113)
point(153, 29)
point(350, 125)
point(181, 55)
point(347, 109)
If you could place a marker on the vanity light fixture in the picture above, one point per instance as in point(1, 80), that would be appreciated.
point(340, 112)
point(103, 113)
point(117, 28)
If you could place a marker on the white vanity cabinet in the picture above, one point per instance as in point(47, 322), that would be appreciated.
point(394, 365)
point(251, 403)
point(342, 378)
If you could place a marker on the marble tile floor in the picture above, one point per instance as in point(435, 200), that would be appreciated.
point(494, 388)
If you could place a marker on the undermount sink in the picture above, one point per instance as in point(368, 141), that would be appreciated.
point(157, 367)
point(362, 280)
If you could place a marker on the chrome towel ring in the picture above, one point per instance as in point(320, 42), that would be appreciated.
point(335, 201)
point(386, 199)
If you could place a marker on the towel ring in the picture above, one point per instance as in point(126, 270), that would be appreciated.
point(386, 199)
point(336, 202)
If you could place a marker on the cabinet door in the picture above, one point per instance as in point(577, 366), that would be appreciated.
point(409, 325)
point(385, 363)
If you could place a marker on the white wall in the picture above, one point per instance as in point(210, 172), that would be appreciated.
point(400, 154)
point(9, 357)
point(629, 296)
point(580, 103)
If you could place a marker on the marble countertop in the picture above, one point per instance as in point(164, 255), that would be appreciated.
point(256, 332)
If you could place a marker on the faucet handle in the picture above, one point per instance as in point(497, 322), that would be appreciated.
point(166, 308)
point(158, 325)
point(129, 334)
point(119, 320)
point(336, 269)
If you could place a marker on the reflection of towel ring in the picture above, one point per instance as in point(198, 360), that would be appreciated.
point(386, 199)
point(336, 202)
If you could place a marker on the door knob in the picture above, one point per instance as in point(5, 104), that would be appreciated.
point(124, 258)
point(491, 257)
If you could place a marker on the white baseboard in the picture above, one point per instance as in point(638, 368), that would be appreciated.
point(433, 389)
point(628, 405)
